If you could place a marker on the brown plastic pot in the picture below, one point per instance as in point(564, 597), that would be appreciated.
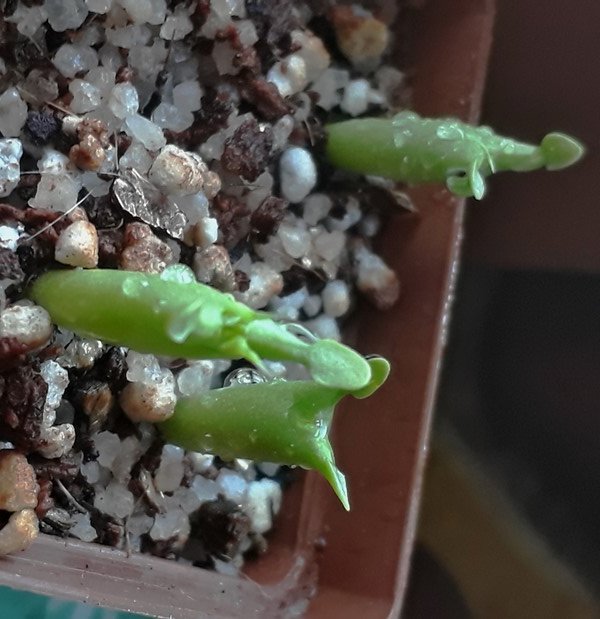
point(352, 565)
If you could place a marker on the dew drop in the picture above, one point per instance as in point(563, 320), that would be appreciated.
point(179, 273)
point(133, 286)
point(179, 327)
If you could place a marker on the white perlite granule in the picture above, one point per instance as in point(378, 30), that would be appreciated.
point(11, 151)
point(298, 173)
point(115, 500)
point(82, 528)
point(13, 113)
point(170, 471)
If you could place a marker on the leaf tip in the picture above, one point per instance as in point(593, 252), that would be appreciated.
point(561, 150)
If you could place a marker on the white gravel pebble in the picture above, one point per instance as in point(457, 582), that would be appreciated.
point(329, 245)
point(115, 500)
point(187, 96)
point(65, 14)
point(289, 75)
point(265, 283)
point(57, 441)
point(298, 173)
point(108, 446)
point(29, 324)
point(123, 101)
point(355, 100)
point(315, 208)
point(336, 298)
point(145, 131)
point(232, 485)
point(170, 471)
point(82, 527)
point(72, 59)
point(173, 523)
point(178, 172)
point(13, 113)
point(375, 279)
point(152, 401)
point(263, 501)
point(77, 245)
point(11, 151)
point(294, 236)
point(325, 327)
point(57, 379)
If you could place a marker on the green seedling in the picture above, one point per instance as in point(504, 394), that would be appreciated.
point(416, 150)
point(284, 422)
point(173, 315)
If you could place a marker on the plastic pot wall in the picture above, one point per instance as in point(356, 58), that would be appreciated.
point(351, 565)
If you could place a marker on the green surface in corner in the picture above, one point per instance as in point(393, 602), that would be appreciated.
point(23, 605)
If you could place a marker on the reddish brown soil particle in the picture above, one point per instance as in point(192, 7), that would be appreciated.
point(45, 500)
point(12, 352)
point(221, 526)
point(22, 396)
point(266, 218)
point(263, 96)
point(124, 74)
point(248, 150)
point(242, 281)
point(229, 212)
point(9, 265)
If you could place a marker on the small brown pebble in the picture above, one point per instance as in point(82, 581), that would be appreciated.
point(361, 37)
point(143, 251)
point(20, 531)
point(248, 150)
point(212, 266)
point(77, 245)
point(18, 485)
point(149, 402)
point(88, 154)
point(93, 127)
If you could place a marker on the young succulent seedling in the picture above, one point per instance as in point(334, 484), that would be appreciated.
point(283, 422)
point(416, 150)
point(175, 316)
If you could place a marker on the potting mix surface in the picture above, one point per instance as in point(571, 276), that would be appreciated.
point(99, 101)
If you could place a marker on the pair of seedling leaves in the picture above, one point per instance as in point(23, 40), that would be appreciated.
point(173, 315)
